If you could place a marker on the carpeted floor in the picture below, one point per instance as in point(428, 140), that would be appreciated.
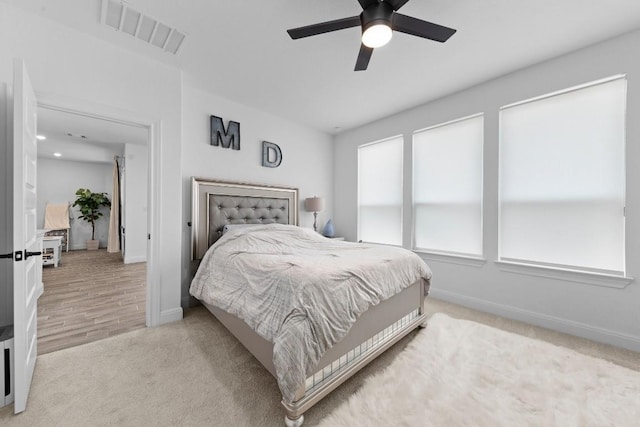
point(490, 377)
point(193, 372)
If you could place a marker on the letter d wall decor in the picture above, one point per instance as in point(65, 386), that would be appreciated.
point(271, 155)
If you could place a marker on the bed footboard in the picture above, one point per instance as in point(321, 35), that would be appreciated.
point(356, 359)
point(375, 331)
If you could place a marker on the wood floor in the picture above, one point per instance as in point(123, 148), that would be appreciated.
point(91, 295)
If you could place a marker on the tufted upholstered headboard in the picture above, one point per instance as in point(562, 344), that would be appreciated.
point(218, 203)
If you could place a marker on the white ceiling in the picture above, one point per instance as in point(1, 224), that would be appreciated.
point(90, 140)
point(240, 49)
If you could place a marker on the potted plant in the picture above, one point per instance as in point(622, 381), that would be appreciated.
point(90, 204)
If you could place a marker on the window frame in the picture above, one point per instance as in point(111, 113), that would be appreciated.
point(464, 255)
point(358, 183)
point(587, 275)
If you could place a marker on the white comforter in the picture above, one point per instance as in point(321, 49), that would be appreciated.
point(300, 290)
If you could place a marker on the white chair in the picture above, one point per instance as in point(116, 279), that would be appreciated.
point(56, 222)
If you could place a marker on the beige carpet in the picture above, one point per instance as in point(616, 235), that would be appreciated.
point(491, 378)
point(193, 372)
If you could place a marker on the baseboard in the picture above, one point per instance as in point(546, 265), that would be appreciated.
point(135, 259)
point(570, 327)
point(171, 315)
point(79, 248)
point(189, 302)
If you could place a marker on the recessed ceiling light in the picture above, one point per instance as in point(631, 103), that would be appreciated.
point(57, 154)
point(41, 137)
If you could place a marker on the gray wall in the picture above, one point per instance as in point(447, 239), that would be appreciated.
point(58, 181)
point(564, 303)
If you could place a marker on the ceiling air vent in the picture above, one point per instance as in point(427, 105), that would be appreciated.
point(121, 17)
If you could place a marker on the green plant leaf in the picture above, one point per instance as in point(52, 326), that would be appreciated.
point(90, 204)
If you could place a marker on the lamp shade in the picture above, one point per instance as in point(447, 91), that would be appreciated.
point(314, 204)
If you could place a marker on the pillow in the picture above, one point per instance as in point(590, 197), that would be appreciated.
point(230, 227)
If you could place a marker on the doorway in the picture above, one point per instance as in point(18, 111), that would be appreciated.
point(93, 294)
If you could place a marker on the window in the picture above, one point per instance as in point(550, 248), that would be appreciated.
point(380, 191)
point(447, 187)
point(562, 179)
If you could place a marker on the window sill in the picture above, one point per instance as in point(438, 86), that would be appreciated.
point(467, 260)
point(588, 278)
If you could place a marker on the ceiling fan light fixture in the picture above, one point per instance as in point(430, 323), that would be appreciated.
point(377, 35)
point(378, 20)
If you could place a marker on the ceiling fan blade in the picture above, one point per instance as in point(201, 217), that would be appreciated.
point(418, 27)
point(324, 27)
point(363, 58)
point(397, 4)
point(366, 3)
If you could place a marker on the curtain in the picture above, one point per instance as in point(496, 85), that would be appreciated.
point(113, 245)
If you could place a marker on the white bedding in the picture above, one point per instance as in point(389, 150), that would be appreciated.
point(300, 290)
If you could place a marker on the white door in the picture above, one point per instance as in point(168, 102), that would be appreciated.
point(25, 247)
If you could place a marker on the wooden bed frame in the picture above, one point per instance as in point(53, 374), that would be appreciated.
point(217, 203)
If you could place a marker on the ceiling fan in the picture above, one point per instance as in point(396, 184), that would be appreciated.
point(378, 19)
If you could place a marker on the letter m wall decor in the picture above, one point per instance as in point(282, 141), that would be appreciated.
point(226, 138)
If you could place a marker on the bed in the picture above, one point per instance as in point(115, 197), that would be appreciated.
point(309, 352)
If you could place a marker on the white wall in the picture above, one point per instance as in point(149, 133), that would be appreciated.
point(58, 181)
point(603, 313)
point(71, 68)
point(6, 214)
point(307, 157)
point(135, 203)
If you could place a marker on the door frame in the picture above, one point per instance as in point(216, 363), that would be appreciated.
point(154, 193)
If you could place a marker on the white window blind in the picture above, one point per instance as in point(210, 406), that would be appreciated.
point(562, 179)
point(380, 192)
point(447, 187)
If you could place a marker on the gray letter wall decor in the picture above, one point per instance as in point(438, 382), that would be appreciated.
point(227, 138)
point(271, 161)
